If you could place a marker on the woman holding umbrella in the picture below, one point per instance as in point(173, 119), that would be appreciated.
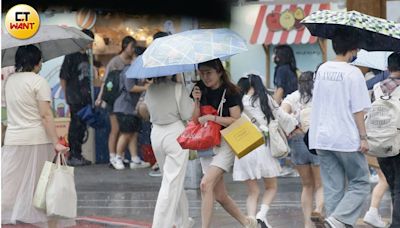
point(30, 138)
point(214, 84)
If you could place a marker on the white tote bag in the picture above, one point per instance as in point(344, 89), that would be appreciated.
point(39, 198)
point(61, 199)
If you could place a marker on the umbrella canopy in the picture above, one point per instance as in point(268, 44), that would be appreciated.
point(193, 47)
point(375, 34)
point(372, 59)
point(52, 40)
point(137, 70)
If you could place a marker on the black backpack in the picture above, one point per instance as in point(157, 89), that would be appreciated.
point(111, 90)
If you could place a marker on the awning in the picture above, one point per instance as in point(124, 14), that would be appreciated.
point(280, 24)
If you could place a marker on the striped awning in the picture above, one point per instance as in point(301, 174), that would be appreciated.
point(280, 24)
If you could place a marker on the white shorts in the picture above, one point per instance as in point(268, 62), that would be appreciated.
point(223, 158)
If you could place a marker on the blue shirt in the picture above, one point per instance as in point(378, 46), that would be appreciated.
point(286, 79)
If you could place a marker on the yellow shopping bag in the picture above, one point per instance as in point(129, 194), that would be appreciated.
point(242, 136)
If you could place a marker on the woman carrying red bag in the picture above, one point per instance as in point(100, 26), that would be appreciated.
point(209, 91)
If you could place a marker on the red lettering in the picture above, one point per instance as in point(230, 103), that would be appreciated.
point(22, 25)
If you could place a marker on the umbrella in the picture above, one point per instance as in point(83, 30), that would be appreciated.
point(56, 92)
point(375, 34)
point(136, 70)
point(373, 59)
point(52, 40)
point(193, 47)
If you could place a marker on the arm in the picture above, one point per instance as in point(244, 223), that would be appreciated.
point(47, 119)
point(359, 119)
point(98, 99)
point(278, 95)
point(196, 93)
point(224, 121)
point(286, 107)
point(63, 84)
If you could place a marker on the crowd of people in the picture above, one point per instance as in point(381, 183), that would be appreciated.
point(329, 104)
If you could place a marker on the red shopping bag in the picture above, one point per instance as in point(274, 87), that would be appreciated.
point(200, 137)
point(148, 154)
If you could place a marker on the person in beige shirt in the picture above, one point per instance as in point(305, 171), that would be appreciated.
point(30, 139)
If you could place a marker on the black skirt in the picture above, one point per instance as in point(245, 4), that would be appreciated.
point(128, 123)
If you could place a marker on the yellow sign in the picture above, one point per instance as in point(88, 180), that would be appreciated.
point(22, 21)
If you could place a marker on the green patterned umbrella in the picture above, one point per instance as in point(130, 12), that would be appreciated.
point(375, 34)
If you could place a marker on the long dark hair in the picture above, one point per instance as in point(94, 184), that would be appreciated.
point(306, 85)
point(260, 92)
point(231, 89)
point(285, 56)
point(126, 41)
point(244, 85)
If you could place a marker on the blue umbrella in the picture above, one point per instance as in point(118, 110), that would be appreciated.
point(138, 71)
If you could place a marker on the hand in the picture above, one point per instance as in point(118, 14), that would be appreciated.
point(196, 93)
point(98, 102)
point(205, 118)
point(364, 146)
point(61, 148)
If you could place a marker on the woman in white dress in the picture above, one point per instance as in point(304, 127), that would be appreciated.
point(258, 164)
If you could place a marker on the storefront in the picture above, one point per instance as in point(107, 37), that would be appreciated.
point(265, 26)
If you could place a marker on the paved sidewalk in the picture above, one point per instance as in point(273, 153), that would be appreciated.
point(131, 195)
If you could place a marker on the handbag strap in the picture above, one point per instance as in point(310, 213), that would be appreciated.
point(221, 104)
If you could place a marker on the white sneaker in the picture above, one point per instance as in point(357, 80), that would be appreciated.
point(334, 223)
point(373, 179)
point(139, 165)
point(118, 164)
point(374, 219)
point(263, 221)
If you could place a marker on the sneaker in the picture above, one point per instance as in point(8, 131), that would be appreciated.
point(73, 161)
point(331, 222)
point(139, 165)
point(155, 173)
point(287, 171)
point(374, 219)
point(317, 219)
point(118, 164)
point(252, 223)
point(191, 222)
point(263, 221)
point(155, 166)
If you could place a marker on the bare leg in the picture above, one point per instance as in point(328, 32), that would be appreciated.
point(318, 189)
point(271, 187)
point(123, 141)
point(113, 137)
point(252, 198)
point(222, 197)
point(307, 193)
point(133, 145)
point(379, 190)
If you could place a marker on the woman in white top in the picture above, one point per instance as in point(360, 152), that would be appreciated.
point(298, 104)
point(167, 111)
point(30, 138)
point(258, 164)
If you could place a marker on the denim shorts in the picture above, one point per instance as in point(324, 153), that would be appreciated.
point(300, 155)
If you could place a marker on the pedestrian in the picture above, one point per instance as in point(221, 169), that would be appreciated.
point(30, 139)
point(209, 91)
point(167, 113)
point(299, 104)
point(285, 81)
point(258, 164)
point(285, 75)
point(128, 121)
point(338, 133)
point(124, 58)
point(75, 82)
point(390, 165)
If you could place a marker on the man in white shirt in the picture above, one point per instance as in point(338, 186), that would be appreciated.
point(337, 132)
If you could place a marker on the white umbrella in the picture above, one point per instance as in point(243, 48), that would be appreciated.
point(53, 41)
point(372, 59)
point(193, 47)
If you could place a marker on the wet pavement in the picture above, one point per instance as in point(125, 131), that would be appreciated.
point(131, 195)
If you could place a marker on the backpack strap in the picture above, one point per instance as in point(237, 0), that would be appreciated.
point(221, 104)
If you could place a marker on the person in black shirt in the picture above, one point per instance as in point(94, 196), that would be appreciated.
point(214, 87)
point(75, 81)
point(285, 77)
